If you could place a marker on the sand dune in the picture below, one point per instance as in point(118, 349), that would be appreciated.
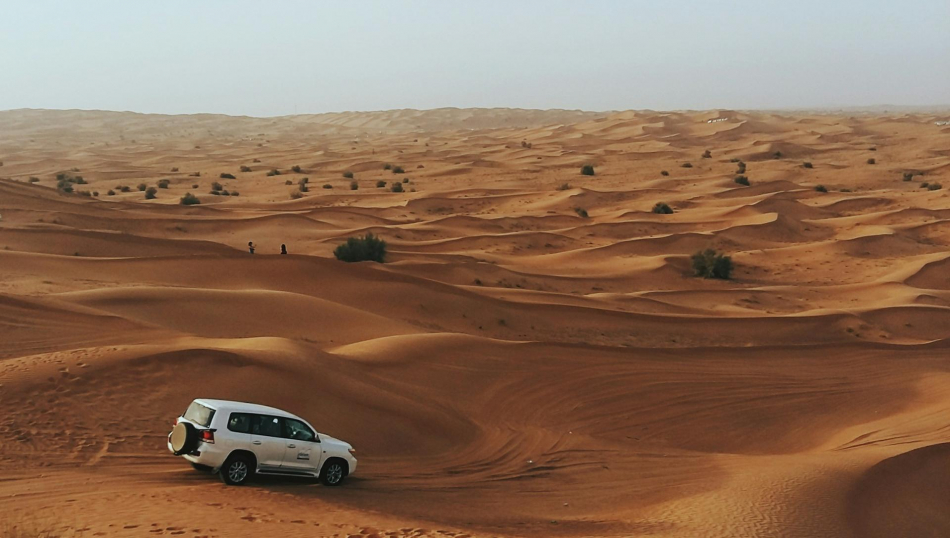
point(535, 359)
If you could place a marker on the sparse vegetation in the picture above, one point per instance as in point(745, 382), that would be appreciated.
point(872, 160)
point(348, 174)
point(807, 164)
point(125, 188)
point(398, 170)
point(226, 175)
point(34, 179)
point(273, 172)
point(662, 208)
point(150, 193)
point(195, 174)
point(111, 192)
point(908, 176)
point(175, 169)
point(216, 186)
point(288, 182)
point(740, 168)
point(194, 186)
point(581, 212)
point(711, 264)
point(387, 166)
point(396, 187)
point(303, 186)
point(587, 170)
point(245, 168)
point(564, 186)
point(296, 169)
point(235, 193)
point(296, 195)
point(380, 184)
point(924, 185)
point(163, 183)
point(707, 154)
point(934, 187)
point(777, 155)
point(821, 188)
point(687, 165)
point(189, 199)
point(141, 187)
point(742, 180)
point(327, 186)
point(734, 160)
point(354, 186)
point(358, 249)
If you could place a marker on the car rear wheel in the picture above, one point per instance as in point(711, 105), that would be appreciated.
point(333, 473)
point(237, 470)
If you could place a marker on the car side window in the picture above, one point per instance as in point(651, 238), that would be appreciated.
point(265, 425)
point(239, 422)
point(294, 429)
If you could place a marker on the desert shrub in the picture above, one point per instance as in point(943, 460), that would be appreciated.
point(87, 194)
point(359, 249)
point(34, 179)
point(564, 186)
point(742, 180)
point(245, 168)
point(175, 169)
point(327, 186)
point(821, 188)
point(215, 193)
point(163, 183)
point(354, 186)
point(924, 185)
point(387, 166)
point(111, 192)
point(934, 187)
point(872, 161)
point(421, 165)
point(303, 187)
point(397, 187)
point(225, 192)
point(95, 193)
point(872, 149)
point(380, 184)
point(194, 186)
point(195, 174)
point(288, 182)
point(581, 212)
point(189, 199)
point(125, 188)
point(304, 180)
point(273, 172)
point(807, 164)
point(662, 208)
point(908, 176)
point(711, 264)
point(405, 180)
point(296, 195)
point(150, 193)
point(141, 187)
point(687, 165)
point(235, 193)
point(216, 186)
point(587, 170)
point(740, 168)
point(226, 175)
point(707, 154)
point(398, 170)
point(664, 173)
point(296, 169)
point(348, 174)
point(777, 155)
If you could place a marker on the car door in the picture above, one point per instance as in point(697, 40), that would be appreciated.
point(302, 446)
point(267, 442)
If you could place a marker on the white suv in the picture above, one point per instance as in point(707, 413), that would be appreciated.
point(238, 440)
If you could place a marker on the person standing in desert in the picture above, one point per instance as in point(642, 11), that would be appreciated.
point(250, 247)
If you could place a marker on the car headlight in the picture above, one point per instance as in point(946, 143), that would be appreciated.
point(352, 451)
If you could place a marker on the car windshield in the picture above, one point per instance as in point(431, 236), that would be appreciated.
point(199, 414)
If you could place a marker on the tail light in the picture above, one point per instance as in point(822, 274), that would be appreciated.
point(207, 436)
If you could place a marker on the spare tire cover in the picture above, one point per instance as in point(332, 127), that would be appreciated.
point(184, 438)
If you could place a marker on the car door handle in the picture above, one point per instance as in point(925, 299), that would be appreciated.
point(291, 446)
point(255, 442)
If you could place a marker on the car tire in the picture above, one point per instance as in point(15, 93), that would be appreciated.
point(333, 472)
point(237, 470)
point(184, 438)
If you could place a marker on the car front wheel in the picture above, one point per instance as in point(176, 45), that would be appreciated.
point(236, 470)
point(333, 473)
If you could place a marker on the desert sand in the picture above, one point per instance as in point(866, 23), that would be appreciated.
point(514, 369)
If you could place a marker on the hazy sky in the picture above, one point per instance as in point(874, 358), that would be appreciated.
point(266, 58)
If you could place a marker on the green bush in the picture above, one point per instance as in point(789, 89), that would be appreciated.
point(934, 187)
point(359, 249)
point(664, 173)
point(742, 180)
point(194, 186)
point(872, 161)
point(111, 192)
point(587, 170)
point(125, 188)
point(380, 184)
point(777, 155)
point(189, 199)
point(821, 188)
point(807, 164)
point(662, 209)
point(150, 193)
point(711, 264)
point(296, 169)
point(740, 168)
point(581, 212)
point(348, 174)
point(327, 186)
point(397, 187)
point(163, 183)
point(216, 186)
point(387, 166)
point(142, 187)
point(398, 170)
point(354, 186)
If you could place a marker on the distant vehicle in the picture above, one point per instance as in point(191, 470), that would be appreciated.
point(238, 440)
